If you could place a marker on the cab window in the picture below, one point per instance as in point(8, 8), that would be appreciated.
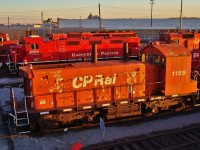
point(34, 46)
point(176, 41)
point(163, 62)
point(153, 58)
point(1, 39)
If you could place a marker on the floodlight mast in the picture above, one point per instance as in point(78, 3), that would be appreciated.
point(152, 2)
point(181, 14)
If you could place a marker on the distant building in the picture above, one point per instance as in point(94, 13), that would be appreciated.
point(47, 24)
point(92, 17)
point(37, 25)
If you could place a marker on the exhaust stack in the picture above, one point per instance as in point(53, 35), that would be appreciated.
point(94, 54)
point(125, 52)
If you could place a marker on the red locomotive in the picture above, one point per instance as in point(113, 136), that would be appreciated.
point(196, 65)
point(5, 45)
point(73, 47)
point(189, 39)
point(124, 34)
point(63, 94)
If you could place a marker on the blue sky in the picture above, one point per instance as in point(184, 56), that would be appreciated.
point(29, 11)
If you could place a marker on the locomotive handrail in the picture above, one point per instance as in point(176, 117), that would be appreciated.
point(26, 110)
point(29, 96)
point(20, 85)
point(155, 82)
point(198, 92)
point(7, 86)
point(12, 115)
point(196, 75)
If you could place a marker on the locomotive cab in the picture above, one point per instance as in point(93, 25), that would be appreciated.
point(168, 70)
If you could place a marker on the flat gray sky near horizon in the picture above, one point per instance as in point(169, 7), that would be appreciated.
point(29, 11)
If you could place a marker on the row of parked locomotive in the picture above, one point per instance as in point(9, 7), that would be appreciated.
point(77, 46)
point(69, 47)
point(63, 94)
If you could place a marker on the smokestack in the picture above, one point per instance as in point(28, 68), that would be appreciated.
point(94, 54)
point(125, 52)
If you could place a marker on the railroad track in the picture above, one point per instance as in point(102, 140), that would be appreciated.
point(187, 138)
point(121, 122)
point(111, 146)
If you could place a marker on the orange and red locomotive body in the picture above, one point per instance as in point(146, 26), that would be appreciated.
point(61, 94)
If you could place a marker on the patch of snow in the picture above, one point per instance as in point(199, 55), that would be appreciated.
point(11, 80)
point(5, 94)
point(92, 136)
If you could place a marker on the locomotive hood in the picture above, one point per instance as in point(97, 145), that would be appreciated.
point(168, 50)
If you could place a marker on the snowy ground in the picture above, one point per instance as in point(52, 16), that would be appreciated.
point(91, 136)
point(10, 80)
point(5, 94)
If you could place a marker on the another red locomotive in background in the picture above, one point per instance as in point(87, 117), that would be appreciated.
point(72, 47)
point(5, 45)
point(189, 39)
point(63, 94)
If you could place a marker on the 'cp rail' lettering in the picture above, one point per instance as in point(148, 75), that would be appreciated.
point(81, 81)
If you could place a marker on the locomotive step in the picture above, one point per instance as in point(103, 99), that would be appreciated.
point(22, 111)
point(20, 125)
point(23, 129)
point(21, 119)
point(25, 132)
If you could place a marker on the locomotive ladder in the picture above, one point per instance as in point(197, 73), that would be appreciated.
point(21, 118)
point(12, 65)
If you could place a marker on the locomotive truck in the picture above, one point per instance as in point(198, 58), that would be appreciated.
point(66, 94)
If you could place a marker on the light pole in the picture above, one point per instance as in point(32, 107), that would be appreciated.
point(49, 20)
point(181, 14)
point(99, 17)
point(151, 2)
point(50, 27)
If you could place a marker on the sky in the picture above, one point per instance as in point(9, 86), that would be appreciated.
point(29, 11)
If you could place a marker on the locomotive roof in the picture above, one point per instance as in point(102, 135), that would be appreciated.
point(77, 65)
point(168, 50)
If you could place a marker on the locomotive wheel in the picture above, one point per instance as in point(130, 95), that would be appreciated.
point(4, 72)
point(34, 127)
point(46, 125)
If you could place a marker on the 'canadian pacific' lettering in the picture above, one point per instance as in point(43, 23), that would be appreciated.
point(79, 82)
point(88, 54)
